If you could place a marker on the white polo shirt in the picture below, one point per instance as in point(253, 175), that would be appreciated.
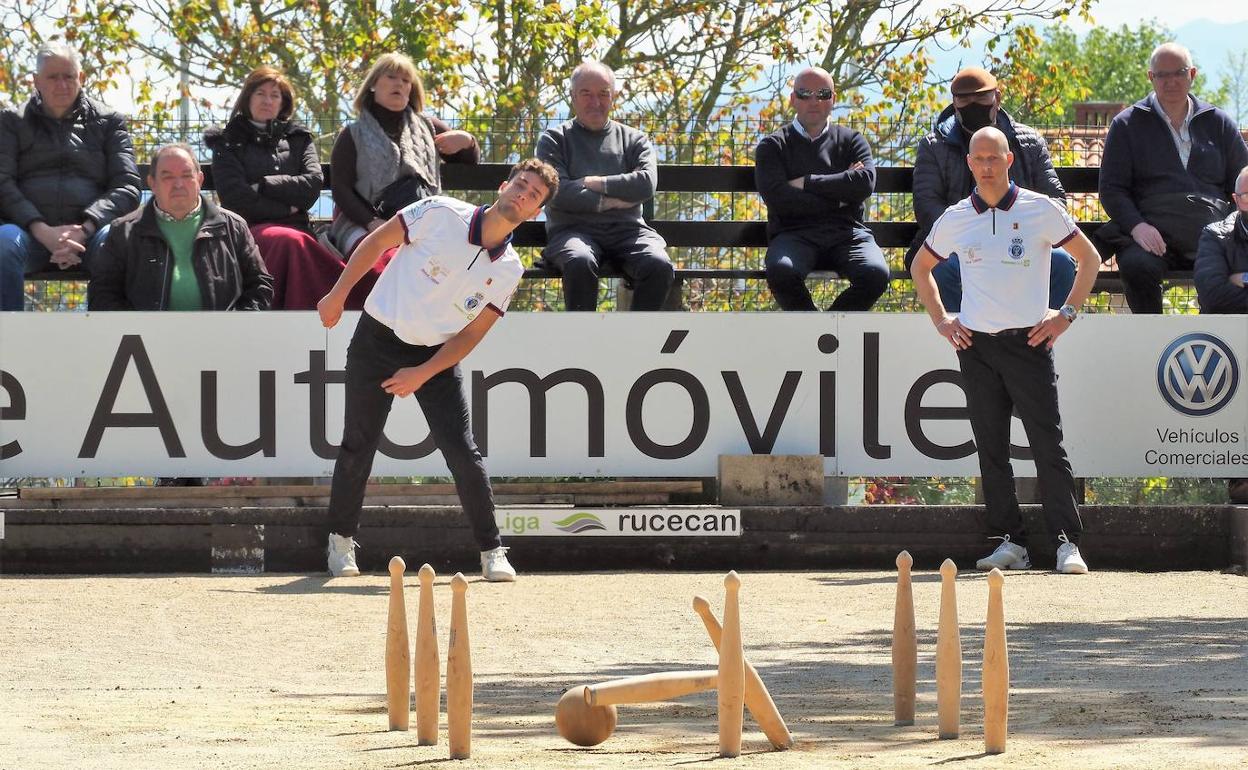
point(442, 278)
point(1004, 253)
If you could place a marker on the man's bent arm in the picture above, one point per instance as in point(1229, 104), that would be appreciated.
point(1088, 265)
point(408, 380)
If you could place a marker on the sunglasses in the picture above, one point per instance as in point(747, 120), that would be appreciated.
point(823, 94)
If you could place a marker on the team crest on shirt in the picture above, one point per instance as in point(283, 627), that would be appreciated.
point(1016, 248)
point(472, 304)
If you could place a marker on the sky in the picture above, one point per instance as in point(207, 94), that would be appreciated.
point(1174, 13)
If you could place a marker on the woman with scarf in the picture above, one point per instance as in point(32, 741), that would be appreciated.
point(390, 155)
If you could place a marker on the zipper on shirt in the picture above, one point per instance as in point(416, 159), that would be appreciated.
point(994, 221)
point(474, 259)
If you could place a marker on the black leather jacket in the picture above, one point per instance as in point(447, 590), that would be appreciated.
point(1223, 251)
point(133, 268)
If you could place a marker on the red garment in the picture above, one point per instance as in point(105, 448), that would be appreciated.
point(304, 271)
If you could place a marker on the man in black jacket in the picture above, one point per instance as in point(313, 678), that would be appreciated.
point(67, 170)
point(1221, 270)
point(179, 251)
point(942, 178)
point(814, 177)
point(1222, 277)
point(1168, 170)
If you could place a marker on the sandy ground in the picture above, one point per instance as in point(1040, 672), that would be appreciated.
point(285, 671)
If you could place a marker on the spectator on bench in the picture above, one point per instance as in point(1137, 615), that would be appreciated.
point(67, 170)
point(1222, 277)
point(606, 172)
point(942, 178)
point(179, 251)
point(1168, 170)
point(814, 177)
point(390, 155)
point(266, 170)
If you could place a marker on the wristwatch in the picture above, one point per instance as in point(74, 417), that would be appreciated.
point(1069, 313)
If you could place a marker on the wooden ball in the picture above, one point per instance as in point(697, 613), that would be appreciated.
point(581, 724)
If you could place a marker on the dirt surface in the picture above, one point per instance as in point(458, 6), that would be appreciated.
point(285, 671)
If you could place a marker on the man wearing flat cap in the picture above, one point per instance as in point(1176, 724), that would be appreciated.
point(941, 176)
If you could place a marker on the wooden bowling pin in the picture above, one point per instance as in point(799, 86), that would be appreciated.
point(757, 698)
point(996, 669)
point(428, 670)
point(459, 674)
point(649, 688)
point(398, 656)
point(948, 655)
point(731, 671)
point(905, 645)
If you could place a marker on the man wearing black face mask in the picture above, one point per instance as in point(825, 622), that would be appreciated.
point(941, 176)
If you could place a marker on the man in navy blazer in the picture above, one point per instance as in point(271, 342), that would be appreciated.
point(1168, 170)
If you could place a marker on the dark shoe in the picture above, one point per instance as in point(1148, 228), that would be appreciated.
point(1237, 489)
point(179, 481)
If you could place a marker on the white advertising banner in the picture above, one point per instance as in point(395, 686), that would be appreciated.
point(609, 394)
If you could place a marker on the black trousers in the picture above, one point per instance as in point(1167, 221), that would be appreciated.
point(1001, 373)
point(1143, 273)
point(791, 256)
point(374, 355)
point(636, 251)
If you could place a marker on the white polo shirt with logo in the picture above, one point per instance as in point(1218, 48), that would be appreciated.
point(1004, 253)
point(442, 278)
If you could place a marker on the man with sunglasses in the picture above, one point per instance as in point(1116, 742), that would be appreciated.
point(814, 176)
point(942, 178)
point(1168, 170)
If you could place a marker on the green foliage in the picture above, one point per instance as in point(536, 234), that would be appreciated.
point(1044, 77)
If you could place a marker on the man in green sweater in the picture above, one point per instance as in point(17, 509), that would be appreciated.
point(179, 251)
point(606, 172)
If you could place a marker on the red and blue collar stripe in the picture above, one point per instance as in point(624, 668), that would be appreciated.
point(474, 235)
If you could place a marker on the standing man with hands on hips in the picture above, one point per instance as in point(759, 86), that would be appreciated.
point(450, 281)
point(1003, 236)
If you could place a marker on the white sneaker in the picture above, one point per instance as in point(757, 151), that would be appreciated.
point(1007, 556)
point(342, 556)
point(1069, 562)
point(494, 566)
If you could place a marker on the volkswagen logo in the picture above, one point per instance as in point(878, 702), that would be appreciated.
point(1197, 374)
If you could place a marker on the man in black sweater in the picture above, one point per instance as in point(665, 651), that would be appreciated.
point(814, 176)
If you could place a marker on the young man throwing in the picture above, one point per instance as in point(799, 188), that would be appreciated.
point(1003, 236)
point(451, 279)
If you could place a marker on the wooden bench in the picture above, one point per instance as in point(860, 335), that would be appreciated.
point(487, 177)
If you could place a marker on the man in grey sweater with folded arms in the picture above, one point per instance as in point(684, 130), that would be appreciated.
point(606, 172)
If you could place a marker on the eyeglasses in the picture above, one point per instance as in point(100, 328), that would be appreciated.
point(823, 94)
point(1181, 74)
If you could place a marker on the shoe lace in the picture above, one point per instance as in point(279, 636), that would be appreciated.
point(1061, 538)
point(1003, 538)
point(494, 555)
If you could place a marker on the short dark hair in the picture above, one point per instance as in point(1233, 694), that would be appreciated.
point(172, 147)
point(259, 77)
point(543, 170)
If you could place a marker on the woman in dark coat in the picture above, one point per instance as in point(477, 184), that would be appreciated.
point(265, 169)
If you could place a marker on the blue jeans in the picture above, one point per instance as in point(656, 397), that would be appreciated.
point(948, 275)
point(22, 253)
